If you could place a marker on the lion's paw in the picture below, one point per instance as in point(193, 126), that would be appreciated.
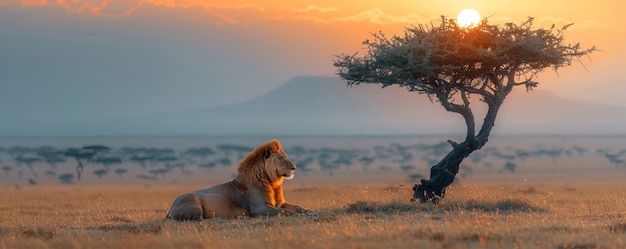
point(311, 213)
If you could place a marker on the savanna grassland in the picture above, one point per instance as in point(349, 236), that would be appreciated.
point(473, 215)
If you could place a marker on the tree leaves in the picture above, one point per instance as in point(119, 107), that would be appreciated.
point(448, 58)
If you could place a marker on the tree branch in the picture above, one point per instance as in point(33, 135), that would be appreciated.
point(464, 110)
point(530, 85)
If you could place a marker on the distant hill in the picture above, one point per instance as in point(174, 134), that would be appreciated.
point(326, 106)
point(312, 105)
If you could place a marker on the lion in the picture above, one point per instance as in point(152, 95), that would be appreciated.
point(256, 190)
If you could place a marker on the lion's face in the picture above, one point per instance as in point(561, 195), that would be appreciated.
point(284, 167)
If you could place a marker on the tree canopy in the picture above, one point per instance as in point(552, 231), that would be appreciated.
point(449, 58)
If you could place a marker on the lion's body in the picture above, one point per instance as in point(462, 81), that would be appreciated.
point(256, 190)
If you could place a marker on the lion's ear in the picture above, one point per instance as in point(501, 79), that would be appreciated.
point(267, 153)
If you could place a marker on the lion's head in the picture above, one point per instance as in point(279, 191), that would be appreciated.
point(267, 163)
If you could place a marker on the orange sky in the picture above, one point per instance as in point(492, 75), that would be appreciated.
point(269, 42)
point(364, 14)
point(590, 14)
point(601, 19)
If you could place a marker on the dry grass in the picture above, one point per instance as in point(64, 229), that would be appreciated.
point(556, 216)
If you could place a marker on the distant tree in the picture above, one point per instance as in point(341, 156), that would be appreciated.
point(100, 172)
point(614, 158)
point(66, 178)
point(108, 161)
point(414, 177)
point(466, 171)
point(120, 171)
point(80, 155)
point(29, 161)
point(303, 164)
point(6, 169)
point(185, 172)
point(97, 148)
point(208, 165)
point(449, 64)
point(51, 173)
point(228, 149)
point(510, 166)
point(142, 160)
point(406, 167)
point(50, 155)
point(166, 159)
point(331, 167)
point(225, 162)
point(145, 177)
point(15, 151)
point(161, 171)
point(200, 152)
point(53, 160)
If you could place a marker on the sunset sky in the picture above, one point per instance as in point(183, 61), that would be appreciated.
point(65, 60)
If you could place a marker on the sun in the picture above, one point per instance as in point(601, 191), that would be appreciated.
point(468, 18)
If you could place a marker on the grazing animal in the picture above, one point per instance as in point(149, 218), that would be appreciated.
point(256, 190)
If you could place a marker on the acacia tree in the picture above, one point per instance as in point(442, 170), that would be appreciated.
point(449, 64)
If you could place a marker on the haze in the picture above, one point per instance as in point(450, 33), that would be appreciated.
point(73, 60)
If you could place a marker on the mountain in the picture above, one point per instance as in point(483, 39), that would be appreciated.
point(543, 112)
point(326, 106)
point(307, 105)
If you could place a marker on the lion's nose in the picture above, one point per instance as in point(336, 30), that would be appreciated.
point(293, 167)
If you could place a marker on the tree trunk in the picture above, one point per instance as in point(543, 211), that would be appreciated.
point(443, 173)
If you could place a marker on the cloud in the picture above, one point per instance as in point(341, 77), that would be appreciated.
point(229, 13)
point(103, 8)
point(33, 3)
point(547, 21)
point(380, 17)
point(86, 9)
point(315, 8)
point(225, 13)
point(376, 16)
point(559, 21)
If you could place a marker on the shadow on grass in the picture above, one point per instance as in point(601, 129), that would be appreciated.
point(506, 206)
point(43, 233)
point(579, 246)
point(618, 228)
point(150, 227)
point(371, 207)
